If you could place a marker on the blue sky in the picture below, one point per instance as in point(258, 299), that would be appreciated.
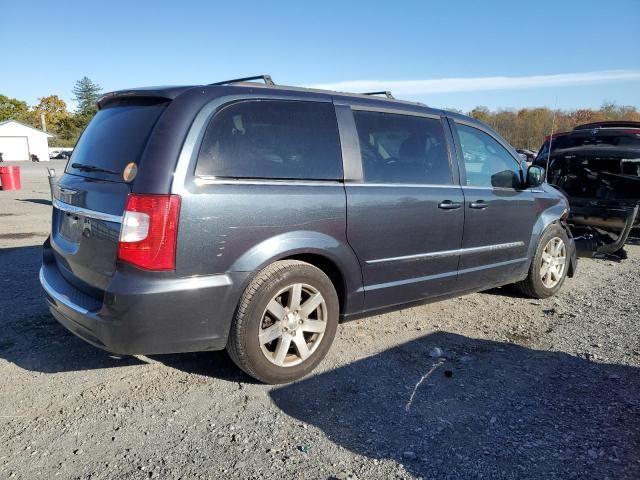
point(460, 54)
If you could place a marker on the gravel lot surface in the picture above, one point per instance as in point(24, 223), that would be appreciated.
point(491, 385)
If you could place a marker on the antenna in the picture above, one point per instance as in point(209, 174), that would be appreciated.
point(553, 124)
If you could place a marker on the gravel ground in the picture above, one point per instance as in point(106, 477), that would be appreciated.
point(490, 385)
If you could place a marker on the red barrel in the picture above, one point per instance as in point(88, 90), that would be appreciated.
point(10, 178)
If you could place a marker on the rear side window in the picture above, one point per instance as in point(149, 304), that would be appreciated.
point(402, 149)
point(272, 140)
point(115, 137)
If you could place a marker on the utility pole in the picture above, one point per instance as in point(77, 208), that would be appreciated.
point(43, 122)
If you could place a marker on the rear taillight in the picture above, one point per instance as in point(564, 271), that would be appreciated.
point(149, 231)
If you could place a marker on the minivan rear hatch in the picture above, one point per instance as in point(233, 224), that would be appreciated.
point(90, 198)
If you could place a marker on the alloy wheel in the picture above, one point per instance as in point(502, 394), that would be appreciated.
point(553, 262)
point(293, 325)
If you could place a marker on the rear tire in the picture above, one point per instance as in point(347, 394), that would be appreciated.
point(285, 322)
point(549, 265)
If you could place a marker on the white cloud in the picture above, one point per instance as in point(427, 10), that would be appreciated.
point(446, 85)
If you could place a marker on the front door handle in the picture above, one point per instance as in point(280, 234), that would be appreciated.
point(449, 205)
point(479, 205)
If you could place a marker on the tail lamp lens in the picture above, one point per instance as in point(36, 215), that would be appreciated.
point(149, 231)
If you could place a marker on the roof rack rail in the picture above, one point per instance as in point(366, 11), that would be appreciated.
point(386, 93)
point(266, 78)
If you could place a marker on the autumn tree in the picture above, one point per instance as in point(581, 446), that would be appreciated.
point(527, 127)
point(481, 113)
point(59, 121)
point(54, 110)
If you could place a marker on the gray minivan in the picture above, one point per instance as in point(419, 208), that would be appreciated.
point(254, 217)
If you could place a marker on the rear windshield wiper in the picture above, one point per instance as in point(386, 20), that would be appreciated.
point(91, 168)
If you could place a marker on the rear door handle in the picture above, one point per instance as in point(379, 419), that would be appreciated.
point(449, 205)
point(479, 205)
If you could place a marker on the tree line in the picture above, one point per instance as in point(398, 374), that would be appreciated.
point(65, 125)
point(527, 127)
point(523, 128)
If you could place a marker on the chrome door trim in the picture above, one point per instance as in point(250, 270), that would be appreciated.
point(408, 281)
point(448, 253)
point(211, 180)
point(411, 185)
point(393, 111)
point(85, 212)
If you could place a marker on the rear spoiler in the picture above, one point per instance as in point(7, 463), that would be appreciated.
point(608, 124)
point(157, 93)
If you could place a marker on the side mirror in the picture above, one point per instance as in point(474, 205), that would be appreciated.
point(535, 176)
point(506, 179)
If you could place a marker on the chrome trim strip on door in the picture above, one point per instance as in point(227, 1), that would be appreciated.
point(58, 297)
point(448, 253)
point(411, 185)
point(210, 180)
point(393, 111)
point(428, 278)
point(85, 212)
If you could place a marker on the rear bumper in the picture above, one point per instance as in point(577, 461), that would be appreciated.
point(140, 315)
point(607, 215)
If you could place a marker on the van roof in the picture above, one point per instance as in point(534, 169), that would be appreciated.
point(172, 92)
point(239, 87)
point(187, 100)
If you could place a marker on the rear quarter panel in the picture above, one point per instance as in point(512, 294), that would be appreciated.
point(244, 227)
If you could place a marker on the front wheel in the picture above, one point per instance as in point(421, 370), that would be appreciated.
point(285, 322)
point(549, 266)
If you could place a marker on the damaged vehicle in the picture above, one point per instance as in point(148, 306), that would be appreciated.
point(597, 166)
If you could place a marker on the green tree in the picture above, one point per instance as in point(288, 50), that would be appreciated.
point(13, 109)
point(54, 110)
point(86, 94)
point(67, 132)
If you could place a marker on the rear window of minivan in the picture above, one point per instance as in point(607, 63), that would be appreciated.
point(115, 137)
point(272, 139)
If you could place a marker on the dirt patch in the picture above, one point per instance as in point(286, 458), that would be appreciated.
point(21, 236)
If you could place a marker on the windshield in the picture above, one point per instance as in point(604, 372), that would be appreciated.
point(115, 137)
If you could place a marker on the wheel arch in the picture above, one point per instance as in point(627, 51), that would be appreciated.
point(552, 216)
point(329, 268)
point(334, 257)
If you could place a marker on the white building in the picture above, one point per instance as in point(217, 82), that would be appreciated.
point(19, 141)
